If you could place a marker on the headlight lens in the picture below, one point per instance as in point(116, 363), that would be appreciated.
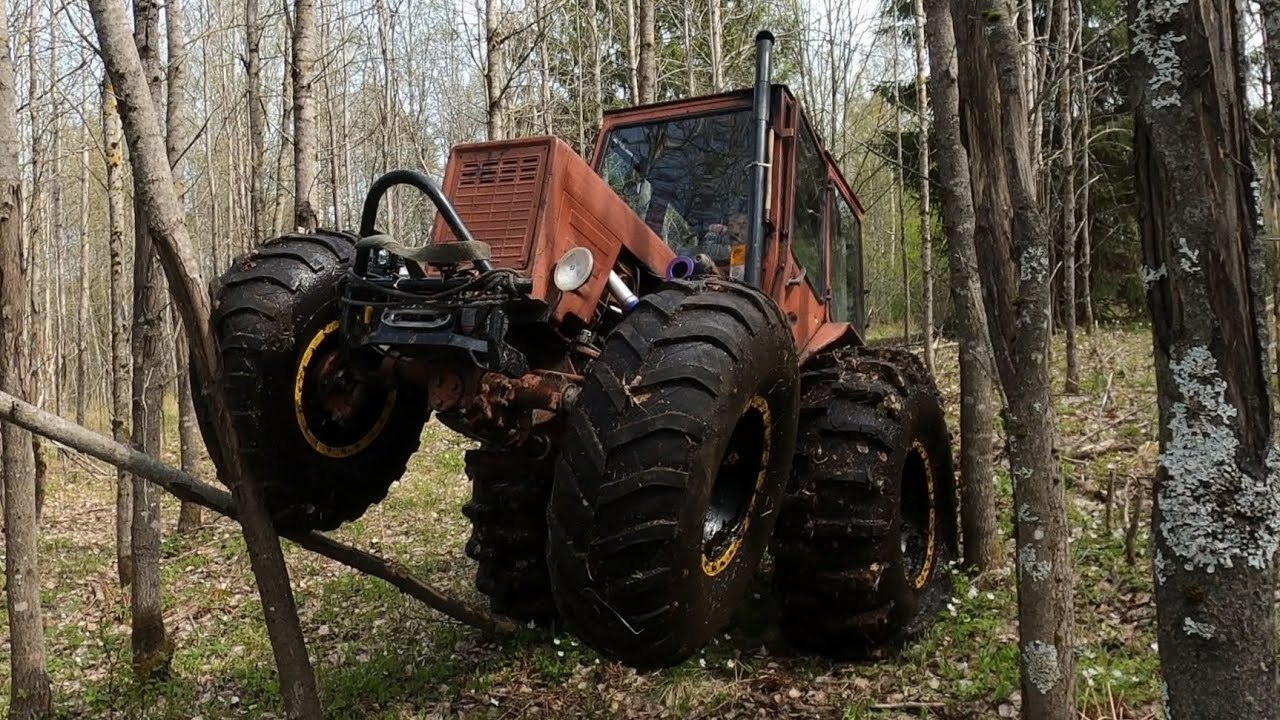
point(574, 269)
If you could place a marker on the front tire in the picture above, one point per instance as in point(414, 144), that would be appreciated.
point(324, 446)
point(675, 456)
point(869, 523)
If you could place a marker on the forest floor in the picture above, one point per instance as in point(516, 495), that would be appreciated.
point(380, 654)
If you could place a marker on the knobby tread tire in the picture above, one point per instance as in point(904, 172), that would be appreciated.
point(840, 577)
point(508, 514)
point(643, 444)
point(266, 307)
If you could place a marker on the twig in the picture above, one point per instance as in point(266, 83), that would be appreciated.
point(1110, 445)
point(187, 488)
point(1111, 498)
point(913, 706)
point(1131, 535)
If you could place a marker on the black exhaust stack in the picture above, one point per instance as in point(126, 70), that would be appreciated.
point(759, 164)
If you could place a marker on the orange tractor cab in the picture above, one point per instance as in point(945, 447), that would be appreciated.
point(660, 357)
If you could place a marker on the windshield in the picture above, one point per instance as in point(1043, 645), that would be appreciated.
point(687, 178)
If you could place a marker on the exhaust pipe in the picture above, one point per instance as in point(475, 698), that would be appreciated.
point(759, 166)
point(682, 267)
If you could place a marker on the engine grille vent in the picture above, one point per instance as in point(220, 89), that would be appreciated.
point(497, 196)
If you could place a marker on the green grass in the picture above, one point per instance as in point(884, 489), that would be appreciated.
point(379, 654)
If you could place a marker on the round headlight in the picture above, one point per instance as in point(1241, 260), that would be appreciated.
point(574, 269)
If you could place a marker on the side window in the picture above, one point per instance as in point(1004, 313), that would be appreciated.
point(810, 202)
point(839, 264)
point(847, 301)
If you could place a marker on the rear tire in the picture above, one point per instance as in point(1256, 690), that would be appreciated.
point(869, 523)
point(275, 313)
point(675, 455)
point(508, 514)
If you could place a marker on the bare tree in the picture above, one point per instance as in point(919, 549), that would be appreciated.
point(978, 504)
point(717, 48)
point(1216, 519)
point(496, 69)
point(1017, 285)
point(647, 63)
point(257, 116)
point(189, 442)
point(164, 218)
point(83, 328)
point(633, 53)
point(151, 647)
point(305, 166)
point(1067, 164)
point(121, 391)
point(1085, 93)
point(926, 212)
point(29, 680)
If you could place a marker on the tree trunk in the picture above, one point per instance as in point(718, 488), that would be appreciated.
point(278, 221)
point(257, 117)
point(978, 502)
point(1017, 279)
point(717, 49)
point(686, 36)
point(633, 54)
point(1217, 507)
point(29, 694)
point(1085, 268)
point(899, 187)
point(121, 395)
point(163, 216)
point(55, 358)
point(151, 648)
point(83, 326)
point(305, 169)
point(597, 69)
point(175, 141)
point(926, 212)
point(36, 331)
point(647, 70)
point(1066, 43)
point(495, 71)
point(189, 441)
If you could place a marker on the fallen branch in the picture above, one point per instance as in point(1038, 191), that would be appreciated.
point(187, 488)
point(1098, 449)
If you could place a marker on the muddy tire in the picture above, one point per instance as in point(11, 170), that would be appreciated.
point(869, 523)
point(275, 317)
point(508, 514)
point(675, 455)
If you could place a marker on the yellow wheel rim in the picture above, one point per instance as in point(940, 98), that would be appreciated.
point(713, 566)
point(921, 577)
point(299, 383)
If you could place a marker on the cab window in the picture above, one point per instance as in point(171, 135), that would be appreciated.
point(846, 272)
point(810, 204)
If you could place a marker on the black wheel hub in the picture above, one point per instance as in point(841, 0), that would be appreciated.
point(918, 510)
point(733, 493)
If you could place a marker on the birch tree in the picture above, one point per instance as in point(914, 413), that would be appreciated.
point(121, 388)
point(189, 442)
point(29, 694)
point(305, 166)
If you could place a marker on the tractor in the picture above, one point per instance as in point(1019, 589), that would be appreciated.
point(660, 356)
